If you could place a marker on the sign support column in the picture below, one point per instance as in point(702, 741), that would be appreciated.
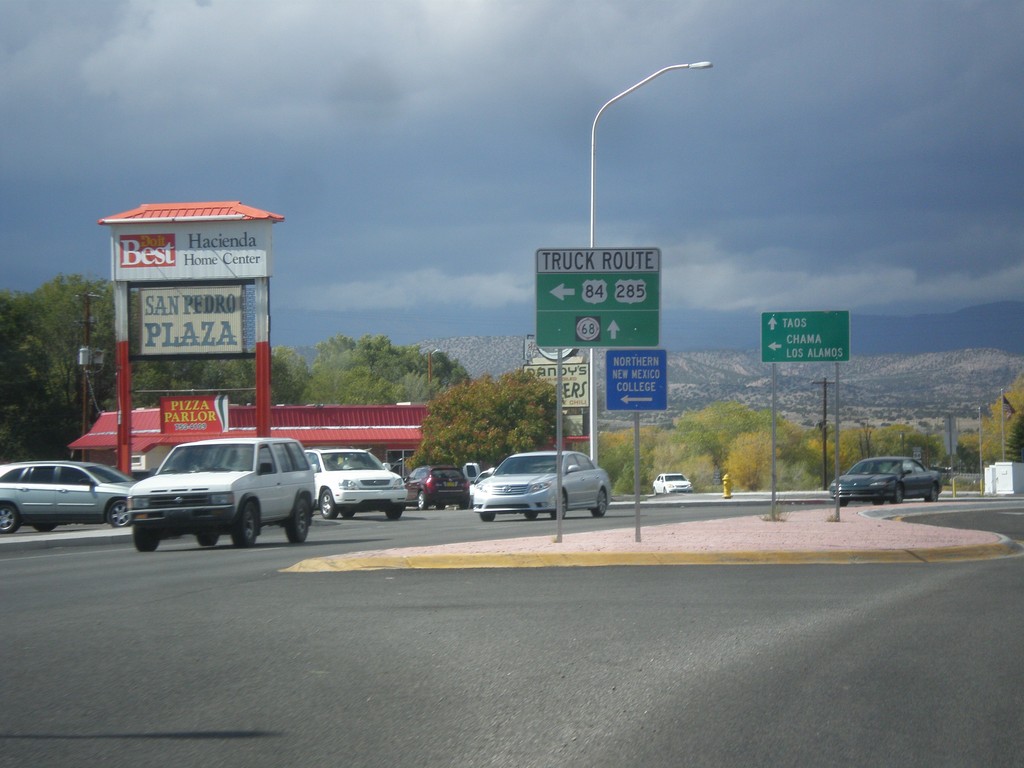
point(805, 337)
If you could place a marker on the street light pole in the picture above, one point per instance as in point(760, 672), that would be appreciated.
point(593, 156)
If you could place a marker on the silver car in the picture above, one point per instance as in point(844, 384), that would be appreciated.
point(525, 483)
point(45, 494)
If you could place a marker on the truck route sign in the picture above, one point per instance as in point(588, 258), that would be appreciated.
point(598, 297)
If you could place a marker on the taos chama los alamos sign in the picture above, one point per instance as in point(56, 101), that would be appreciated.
point(805, 337)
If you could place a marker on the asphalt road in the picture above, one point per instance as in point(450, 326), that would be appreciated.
point(213, 657)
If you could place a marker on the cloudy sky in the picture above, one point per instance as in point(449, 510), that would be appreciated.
point(866, 155)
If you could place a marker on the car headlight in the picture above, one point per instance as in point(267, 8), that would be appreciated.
point(881, 483)
point(348, 485)
point(397, 482)
point(222, 499)
point(138, 502)
point(543, 485)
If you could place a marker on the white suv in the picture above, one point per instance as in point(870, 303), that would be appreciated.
point(228, 486)
point(349, 480)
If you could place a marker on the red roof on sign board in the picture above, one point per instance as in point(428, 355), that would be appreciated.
point(225, 210)
point(397, 426)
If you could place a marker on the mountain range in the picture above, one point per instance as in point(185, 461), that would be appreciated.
point(914, 370)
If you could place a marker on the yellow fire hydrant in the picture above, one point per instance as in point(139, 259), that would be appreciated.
point(726, 487)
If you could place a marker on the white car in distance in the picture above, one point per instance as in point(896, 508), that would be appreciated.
point(672, 482)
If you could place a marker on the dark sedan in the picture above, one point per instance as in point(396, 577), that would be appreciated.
point(437, 486)
point(887, 478)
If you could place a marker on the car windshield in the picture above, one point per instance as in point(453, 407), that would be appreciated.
point(340, 461)
point(109, 474)
point(874, 467)
point(527, 465)
point(675, 479)
point(224, 457)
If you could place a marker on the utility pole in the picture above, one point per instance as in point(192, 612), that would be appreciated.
point(83, 362)
point(824, 434)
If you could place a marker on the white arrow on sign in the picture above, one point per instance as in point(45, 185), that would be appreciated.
point(613, 329)
point(628, 399)
point(560, 292)
point(775, 346)
point(772, 323)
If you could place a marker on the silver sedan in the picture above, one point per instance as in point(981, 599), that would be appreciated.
point(525, 483)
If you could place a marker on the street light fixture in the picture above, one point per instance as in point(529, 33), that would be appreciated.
point(593, 156)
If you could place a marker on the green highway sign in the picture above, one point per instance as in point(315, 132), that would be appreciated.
point(805, 337)
point(598, 297)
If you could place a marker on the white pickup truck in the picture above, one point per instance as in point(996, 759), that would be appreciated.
point(231, 486)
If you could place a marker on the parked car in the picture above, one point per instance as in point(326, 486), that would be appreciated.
point(439, 485)
point(525, 483)
point(350, 480)
point(45, 494)
point(887, 478)
point(672, 482)
point(233, 486)
point(484, 474)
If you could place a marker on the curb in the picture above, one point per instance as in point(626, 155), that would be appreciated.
point(336, 564)
point(66, 539)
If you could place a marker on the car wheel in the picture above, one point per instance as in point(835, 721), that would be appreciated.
point(297, 527)
point(246, 527)
point(207, 539)
point(394, 512)
point(843, 502)
point(897, 495)
point(421, 501)
point(933, 493)
point(145, 539)
point(531, 515)
point(487, 517)
point(10, 520)
point(602, 504)
point(118, 515)
point(44, 527)
point(327, 509)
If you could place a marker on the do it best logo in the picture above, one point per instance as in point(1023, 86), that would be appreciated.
point(147, 250)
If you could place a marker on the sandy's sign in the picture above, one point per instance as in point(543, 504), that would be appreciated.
point(575, 380)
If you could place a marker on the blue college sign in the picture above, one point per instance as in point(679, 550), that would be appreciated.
point(636, 380)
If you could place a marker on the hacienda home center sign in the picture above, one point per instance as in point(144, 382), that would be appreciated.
point(196, 251)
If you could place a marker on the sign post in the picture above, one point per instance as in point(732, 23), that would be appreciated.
point(805, 337)
point(596, 297)
point(636, 381)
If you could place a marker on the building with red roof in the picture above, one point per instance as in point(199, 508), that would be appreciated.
point(390, 432)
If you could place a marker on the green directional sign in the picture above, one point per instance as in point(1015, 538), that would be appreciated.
point(805, 337)
point(599, 297)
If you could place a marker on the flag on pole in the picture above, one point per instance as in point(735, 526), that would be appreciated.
point(1008, 409)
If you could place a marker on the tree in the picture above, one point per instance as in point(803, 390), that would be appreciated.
point(486, 420)
point(711, 431)
point(750, 461)
point(43, 332)
point(373, 370)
